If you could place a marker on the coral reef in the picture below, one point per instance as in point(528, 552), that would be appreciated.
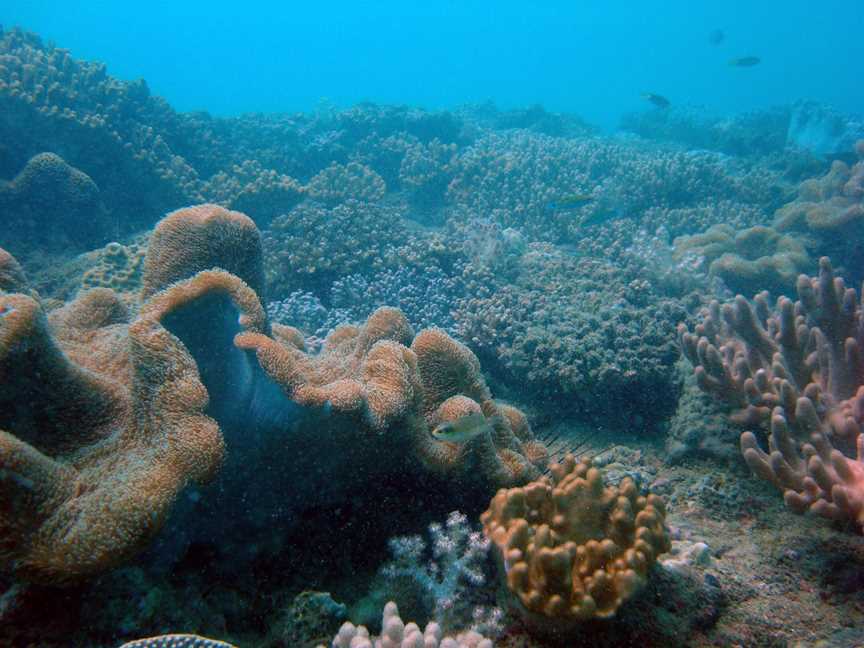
point(52, 206)
point(395, 634)
point(756, 256)
point(572, 548)
point(796, 370)
point(106, 420)
point(828, 214)
point(582, 332)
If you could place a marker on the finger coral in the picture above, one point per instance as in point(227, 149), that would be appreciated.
point(796, 370)
point(574, 549)
point(395, 633)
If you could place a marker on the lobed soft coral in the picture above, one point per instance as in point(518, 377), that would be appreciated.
point(572, 548)
point(105, 419)
point(798, 371)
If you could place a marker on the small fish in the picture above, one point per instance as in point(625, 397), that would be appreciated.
point(573, 201)
point(462, 429)
point(658, 100)
point(745, 61)
point(716, 37)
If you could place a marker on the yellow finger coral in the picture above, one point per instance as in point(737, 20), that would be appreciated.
point(574, 549)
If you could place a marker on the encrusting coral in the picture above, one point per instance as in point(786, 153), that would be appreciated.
point(572, 548)
point(105, 420)
point(798, 371)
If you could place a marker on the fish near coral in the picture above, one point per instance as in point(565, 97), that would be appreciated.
point(463, 429)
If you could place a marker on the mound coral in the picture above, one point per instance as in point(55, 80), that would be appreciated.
point(756, 256)
point(106, 419)
point(572, 548)
point(53, 206)
point(796, 370)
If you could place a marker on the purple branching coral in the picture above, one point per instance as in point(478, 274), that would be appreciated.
point(446, 573)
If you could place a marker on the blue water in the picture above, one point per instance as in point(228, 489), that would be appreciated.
point(591, 58)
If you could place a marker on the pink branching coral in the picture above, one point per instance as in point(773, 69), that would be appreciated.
point(797, 370)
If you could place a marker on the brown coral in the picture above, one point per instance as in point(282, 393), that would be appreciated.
point(574, 549)
point(103, 425)
point(199, 238)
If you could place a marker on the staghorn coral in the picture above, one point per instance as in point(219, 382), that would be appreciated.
point(797, 371)
point(313, 246)
point(580, 331)
point(515, 177)
point(572, 548)
point(397, 634)
point(262, 193)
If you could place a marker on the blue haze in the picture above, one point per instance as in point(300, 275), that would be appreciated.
point(593, 58)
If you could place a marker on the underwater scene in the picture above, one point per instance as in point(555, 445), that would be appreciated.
point(466, 325)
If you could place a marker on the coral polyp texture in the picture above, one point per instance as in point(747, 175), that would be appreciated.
point(798, 372)
point(106, 418)
point(395, 633)
point(572, 548)
point(103, 424)
point(371, 372)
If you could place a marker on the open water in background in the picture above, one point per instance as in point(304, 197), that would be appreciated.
point(593, 58)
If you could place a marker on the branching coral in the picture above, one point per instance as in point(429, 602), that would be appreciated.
point(797, 370)
point(572, 548)
point(397, 634)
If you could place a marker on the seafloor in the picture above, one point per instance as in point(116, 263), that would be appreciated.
point(260, 376)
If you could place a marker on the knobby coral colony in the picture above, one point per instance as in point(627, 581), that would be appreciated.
point(572, 548)
point(797, 370)
point(107, 415)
